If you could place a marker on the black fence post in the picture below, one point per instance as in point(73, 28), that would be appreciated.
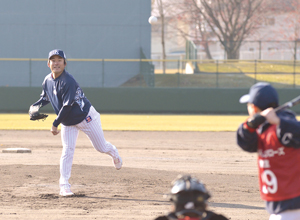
point(294, 65)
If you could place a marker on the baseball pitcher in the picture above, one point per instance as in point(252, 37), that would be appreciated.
point(74, 112)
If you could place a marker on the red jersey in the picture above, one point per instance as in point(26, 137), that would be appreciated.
point(279, 167)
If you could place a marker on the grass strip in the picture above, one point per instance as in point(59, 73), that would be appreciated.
point(142, 122)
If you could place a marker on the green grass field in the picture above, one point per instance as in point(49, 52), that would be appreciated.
point(143, 122)
point(225, 74)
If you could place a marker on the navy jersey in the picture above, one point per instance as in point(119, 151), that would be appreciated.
point(66, 98)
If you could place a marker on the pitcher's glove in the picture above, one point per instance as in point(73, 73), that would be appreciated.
point(34, 113)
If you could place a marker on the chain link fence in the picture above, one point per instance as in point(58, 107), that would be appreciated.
point(179, 73)
point(227, 73)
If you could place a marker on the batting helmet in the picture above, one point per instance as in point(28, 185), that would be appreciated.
point(189, 196)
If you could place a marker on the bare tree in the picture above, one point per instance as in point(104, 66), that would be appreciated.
point(231, 21)
point(187, 15)
point(159, 5)
point(295, 4)
point(204, 34)
point(289, 27)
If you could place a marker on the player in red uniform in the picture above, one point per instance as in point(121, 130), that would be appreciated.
point(277, 142)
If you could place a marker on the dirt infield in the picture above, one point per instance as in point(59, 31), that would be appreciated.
point(29, 181)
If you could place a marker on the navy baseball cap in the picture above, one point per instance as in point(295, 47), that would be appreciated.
point(57, 52)
point(261, 94)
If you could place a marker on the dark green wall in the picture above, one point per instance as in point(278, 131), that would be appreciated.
point(145, 100)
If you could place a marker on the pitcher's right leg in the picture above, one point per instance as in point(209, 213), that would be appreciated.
point(93, 129)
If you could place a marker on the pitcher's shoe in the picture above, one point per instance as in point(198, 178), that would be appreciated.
point(118, 163)
point(66, 192)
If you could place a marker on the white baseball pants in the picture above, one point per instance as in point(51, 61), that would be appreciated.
point(287, 215)
point(91, 126)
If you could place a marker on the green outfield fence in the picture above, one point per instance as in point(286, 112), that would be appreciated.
point(179, 73)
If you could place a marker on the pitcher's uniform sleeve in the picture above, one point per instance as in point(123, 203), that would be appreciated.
point(64, 111)
point(44, 100)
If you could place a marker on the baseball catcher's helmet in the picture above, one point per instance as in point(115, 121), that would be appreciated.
point(189, 196)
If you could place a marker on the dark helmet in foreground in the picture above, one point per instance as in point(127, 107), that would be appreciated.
point(189, 196)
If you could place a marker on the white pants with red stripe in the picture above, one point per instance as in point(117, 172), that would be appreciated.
point(91, 126)
point(287, 215)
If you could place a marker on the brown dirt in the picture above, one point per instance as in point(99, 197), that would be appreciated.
point(29, 181)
